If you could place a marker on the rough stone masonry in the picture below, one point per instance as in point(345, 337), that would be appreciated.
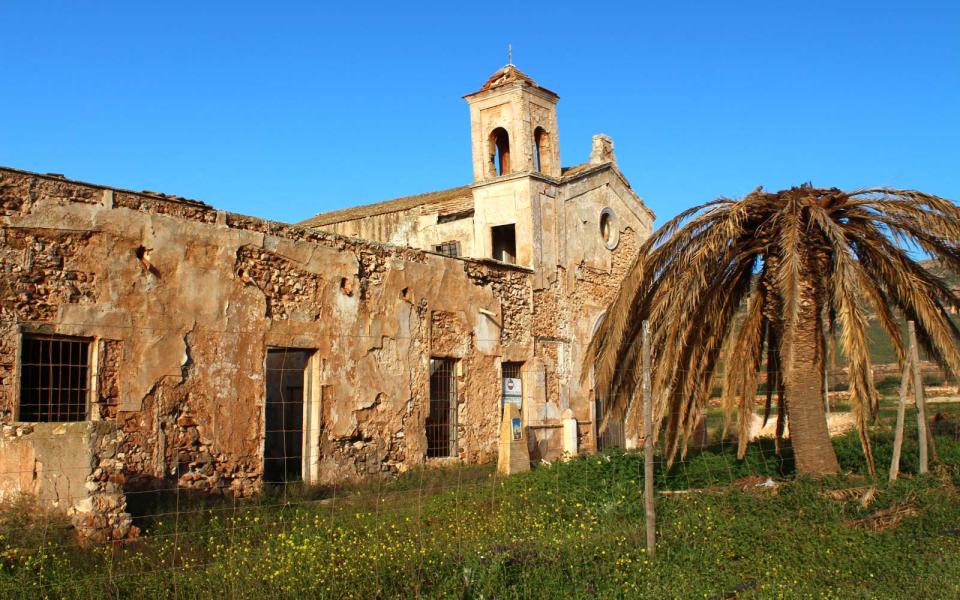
point(150, 342)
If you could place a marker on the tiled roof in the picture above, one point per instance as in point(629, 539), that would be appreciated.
point(448, 201)
point(510, 74)
point(575, 169)
point(443, 202)
point(453, 201)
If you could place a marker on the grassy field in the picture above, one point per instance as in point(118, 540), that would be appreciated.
point(572, 530)
point(881, 350)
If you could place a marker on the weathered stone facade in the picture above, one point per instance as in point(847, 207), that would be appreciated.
point(76, 468)
point(182, 308)
point(577, 229)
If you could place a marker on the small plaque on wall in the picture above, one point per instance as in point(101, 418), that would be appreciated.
point(512, 391)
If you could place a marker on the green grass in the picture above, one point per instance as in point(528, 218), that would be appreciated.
point(570, 530)
point(881, 350)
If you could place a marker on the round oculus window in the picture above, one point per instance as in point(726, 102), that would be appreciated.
point(609, 231)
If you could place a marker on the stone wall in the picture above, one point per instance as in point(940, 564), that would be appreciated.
point(181, 303)
point(74, 469)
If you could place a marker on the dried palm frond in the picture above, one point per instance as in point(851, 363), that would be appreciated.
point(752, 285)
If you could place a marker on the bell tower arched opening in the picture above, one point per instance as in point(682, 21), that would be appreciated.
point(542, 154)
point(499, 151)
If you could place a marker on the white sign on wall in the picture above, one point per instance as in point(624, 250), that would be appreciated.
point(512, 391)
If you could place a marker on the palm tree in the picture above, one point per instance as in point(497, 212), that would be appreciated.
point(763, 283)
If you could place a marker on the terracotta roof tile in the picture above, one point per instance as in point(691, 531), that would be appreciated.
point(507, 75)
point(443, 202)
point(575, 169)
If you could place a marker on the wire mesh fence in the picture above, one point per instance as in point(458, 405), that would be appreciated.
point(567, 528)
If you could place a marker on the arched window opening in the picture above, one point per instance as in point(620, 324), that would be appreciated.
point(500, 151)
point(596, 324)
point(541, 147)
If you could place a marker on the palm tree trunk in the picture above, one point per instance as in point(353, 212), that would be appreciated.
point(803, 381)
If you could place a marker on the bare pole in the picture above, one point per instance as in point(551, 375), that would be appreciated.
point(918, 397)
point(901, 415)
point(826, 371)
point(930, 442)
point(648, 499)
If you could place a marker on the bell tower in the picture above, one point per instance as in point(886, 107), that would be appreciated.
point(513, 127)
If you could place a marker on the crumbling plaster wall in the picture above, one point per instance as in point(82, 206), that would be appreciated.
point(184, 300)
point(397, 227)
point(577, 274)
point(69, 468)
point(420, 227)
point(593, 275)
point(505, 201)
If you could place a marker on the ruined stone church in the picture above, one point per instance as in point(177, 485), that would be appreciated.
point(150, 341)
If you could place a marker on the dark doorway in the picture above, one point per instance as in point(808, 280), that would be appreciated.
point(442, 420)
point(615, 434)
point(283, 442)
point(503, 239)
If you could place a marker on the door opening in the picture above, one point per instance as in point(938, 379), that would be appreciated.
point(615, 434)
point(283, 440)
point(442, 420)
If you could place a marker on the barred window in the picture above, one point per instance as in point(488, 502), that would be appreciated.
point(448, 248)
point(442, 420)
point(54, 379)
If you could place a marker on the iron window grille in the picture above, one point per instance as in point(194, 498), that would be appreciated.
point(54, 379)
point(448, 249)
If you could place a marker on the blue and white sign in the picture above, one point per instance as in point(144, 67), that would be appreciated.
point(517, 429)
point(512, 391)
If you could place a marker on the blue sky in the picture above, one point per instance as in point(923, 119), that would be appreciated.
point(289, 109)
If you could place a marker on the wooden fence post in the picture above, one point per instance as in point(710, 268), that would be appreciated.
point(918, 397)
point(901, 415)
point(827, 341)
point(648, 499)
